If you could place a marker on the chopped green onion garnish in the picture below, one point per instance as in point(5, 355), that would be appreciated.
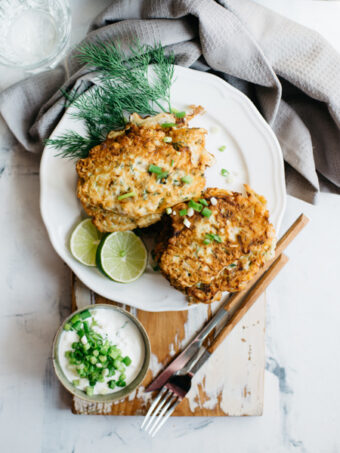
point(85, 314)
point(172, 162)
point(213, 237)
point(165, 125)
point(196, 206)
point(232, 265)
point(206, 212)
point(222, 148)
point(126, 195)
point(86, 327)
point(127, 360)
point(112, 384)
point(154, 169)
point(186, 179)
point(163, 175)
point(206, 241)
point(77, 325)
point(75, 318)
point(67, 326)
point(89, 390)
point(203, 201)
point(76, 382)
point(114, 353)
point(121, 383)
point(183, 212)
point(180, 114)
point(167, 139)
point(224, 172)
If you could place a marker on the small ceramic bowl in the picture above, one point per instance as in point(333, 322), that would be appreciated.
point(108, 397)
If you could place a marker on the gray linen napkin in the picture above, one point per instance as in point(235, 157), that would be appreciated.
point(290, 72)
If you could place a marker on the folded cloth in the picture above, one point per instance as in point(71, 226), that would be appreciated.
point(290, 72)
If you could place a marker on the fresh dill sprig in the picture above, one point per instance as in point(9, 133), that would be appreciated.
point(125, 86)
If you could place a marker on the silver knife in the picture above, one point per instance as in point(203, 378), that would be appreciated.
point(191, 354)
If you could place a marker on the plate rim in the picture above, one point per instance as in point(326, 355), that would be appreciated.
point(253, 114)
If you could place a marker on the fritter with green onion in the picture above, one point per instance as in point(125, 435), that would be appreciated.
point(136, 174)
point(215, 243)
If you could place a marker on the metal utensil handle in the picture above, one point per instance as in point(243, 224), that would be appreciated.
point(210, 326)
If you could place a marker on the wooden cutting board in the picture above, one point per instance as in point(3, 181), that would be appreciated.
point(230, 383)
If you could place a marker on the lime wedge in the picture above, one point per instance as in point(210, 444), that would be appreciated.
point(122, 256)
point(84, 242)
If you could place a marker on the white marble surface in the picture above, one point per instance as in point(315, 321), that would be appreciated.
point(302, 398)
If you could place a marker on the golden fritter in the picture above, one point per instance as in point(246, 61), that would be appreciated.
point(130, 179)
point(218, 247)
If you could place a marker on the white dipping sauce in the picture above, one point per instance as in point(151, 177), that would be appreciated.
point(119, 330)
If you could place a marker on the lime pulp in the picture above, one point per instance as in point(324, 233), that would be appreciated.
point(122, 256)
point(84, 242)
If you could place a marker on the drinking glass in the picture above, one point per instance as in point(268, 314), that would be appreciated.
point(34, 33)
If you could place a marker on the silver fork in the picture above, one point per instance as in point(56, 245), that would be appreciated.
point(171, 395)
point(175, 380)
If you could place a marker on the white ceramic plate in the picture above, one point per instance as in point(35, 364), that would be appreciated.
point(252, 154)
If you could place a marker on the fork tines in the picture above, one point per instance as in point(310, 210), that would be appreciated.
point(160, 410)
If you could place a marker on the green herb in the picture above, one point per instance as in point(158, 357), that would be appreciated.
point(85, 314)
point(163, 175)
point(206, 212)
point(196, 206)
point(186, 179)
point(126, 195)
point(167, 139)
point(222, 148)
point(112, 384)
point(166, 125)
point(127, 360)
point(232, 265)
point(75, 319)
point(124, 88)
point(183, 212)
point(224, 172)
point(180, 114)
point(206, 241)
point(154, 169)
point(89, 390)
point(213, 237)
point(203, 201)
point(172, 162)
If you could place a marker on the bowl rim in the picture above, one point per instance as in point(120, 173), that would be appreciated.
point(108, 397)
point(54, 58)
